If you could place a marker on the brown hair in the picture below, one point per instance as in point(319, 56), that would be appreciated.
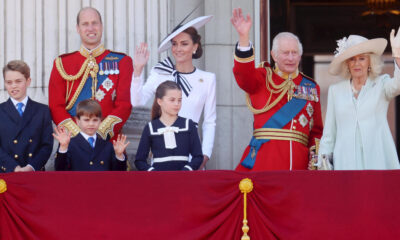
point(86, 8)
point(160, 93)
point(196, 38)
point(88, 107)
point(18, 66)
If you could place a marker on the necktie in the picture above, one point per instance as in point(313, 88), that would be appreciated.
point(91, 141)
point(19, 108)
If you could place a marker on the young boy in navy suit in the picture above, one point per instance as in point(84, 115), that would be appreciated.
point(87, 151)
point(25, 125)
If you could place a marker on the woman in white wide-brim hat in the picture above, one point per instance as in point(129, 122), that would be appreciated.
point(198, 87)
point(356, 133)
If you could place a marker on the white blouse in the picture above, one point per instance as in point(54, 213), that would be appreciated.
point(356, 131)
point(202, 96)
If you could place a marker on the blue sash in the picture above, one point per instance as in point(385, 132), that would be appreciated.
point(86, 92)
point(282, 117)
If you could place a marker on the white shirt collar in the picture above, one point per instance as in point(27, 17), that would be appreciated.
point(15, 102)
point(88, 136)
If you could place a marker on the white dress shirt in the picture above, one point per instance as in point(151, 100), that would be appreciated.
point(24, 101)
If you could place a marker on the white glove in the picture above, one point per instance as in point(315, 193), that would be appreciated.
point(395, 43)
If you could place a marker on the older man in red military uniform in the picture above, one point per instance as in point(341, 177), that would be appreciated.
point(92, 72)
point(285, 103)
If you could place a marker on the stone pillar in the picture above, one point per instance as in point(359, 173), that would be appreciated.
point(234, 120)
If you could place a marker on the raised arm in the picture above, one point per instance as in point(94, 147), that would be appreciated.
point(392, 85)
point(242, 26)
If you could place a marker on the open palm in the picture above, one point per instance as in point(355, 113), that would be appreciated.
point(240, 23)
point(62, 135)
point(141, 56)
point(120, 144)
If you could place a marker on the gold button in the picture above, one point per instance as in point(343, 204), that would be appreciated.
point(294, 127)
point(15, 141)
point(15, 156)
point(295, 121)
point(30, 140)
point(101, 162)
point(30, 154)
point(91, 163)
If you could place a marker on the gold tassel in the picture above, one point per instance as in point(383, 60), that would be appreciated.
point(3, 186)
point(245, 186)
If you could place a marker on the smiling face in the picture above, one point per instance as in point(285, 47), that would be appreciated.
point(88, 124)
point(171, 103)
point(183, 48)
point(358, 66)
point(16, 84)
point(287, 57)
point(90, 28)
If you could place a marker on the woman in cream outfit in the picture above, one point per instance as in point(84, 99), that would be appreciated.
point(356, 134)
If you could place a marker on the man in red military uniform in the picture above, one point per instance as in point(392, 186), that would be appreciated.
point(92, 72)
point(285, 103)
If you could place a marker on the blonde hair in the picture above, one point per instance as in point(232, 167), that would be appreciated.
point(375, 63)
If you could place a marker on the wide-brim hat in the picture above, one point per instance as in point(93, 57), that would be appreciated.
point(196, 23)
point(353, 46)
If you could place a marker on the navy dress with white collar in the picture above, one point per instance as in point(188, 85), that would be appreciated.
point(170, 146)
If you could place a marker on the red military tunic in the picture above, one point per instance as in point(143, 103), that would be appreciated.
point(113, 95)
point(285, 153)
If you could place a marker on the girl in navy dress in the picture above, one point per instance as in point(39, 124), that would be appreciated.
point(170, 138)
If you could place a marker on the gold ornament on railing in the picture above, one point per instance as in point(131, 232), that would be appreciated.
point(3, 186)
point(245, 186)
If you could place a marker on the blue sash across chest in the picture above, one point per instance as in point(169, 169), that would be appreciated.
point(282, 117)
point(86, 93)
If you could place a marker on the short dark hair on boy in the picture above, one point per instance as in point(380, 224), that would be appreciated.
point(18, 66)
point(88, 107)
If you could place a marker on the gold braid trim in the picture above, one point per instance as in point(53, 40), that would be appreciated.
point(68, 77)
point(281, 134)
point(244, 60)
point(91, 67)
point(71, 126)
point(284, 88)
point(107, 126)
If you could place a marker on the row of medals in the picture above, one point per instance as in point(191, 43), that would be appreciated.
point(111, 68)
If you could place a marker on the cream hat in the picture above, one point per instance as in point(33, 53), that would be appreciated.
point(355, 45)
point(196, 23)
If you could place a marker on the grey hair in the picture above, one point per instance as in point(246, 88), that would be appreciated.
point(375, 62)
point(281, 35)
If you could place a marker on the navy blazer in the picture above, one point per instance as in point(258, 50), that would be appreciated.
point(27, 139)
point(81, 156)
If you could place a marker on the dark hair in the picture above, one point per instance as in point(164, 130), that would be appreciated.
point(18, 66)
point(86, 8)
point(160, 93)
point(88, 107)
point(196, 38)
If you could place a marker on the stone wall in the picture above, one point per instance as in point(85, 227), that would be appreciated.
point(38, 31)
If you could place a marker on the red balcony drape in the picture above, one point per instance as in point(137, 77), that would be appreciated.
point(200, 205)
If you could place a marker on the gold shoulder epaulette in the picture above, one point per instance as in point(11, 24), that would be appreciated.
point(310, 78)
point(118, 52)
point(67, 54)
